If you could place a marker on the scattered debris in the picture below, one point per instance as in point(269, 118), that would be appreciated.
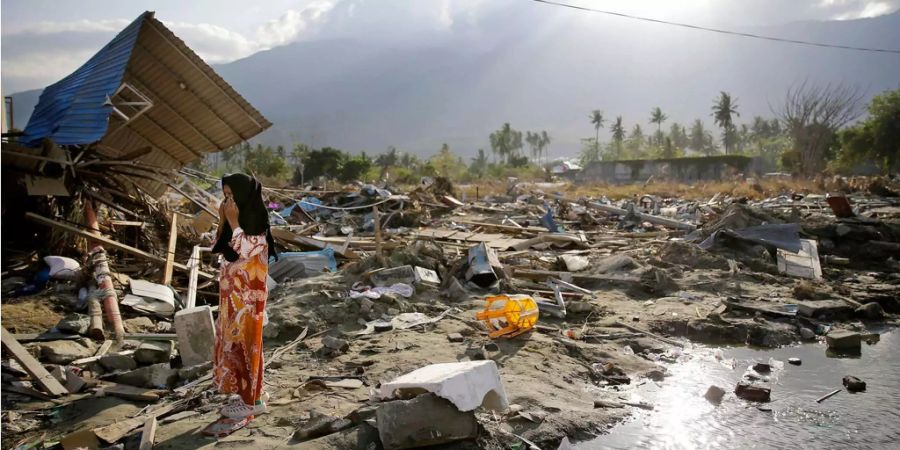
point(854, 384)
point(752, 392)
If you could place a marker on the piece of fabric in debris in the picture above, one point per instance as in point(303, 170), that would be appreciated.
point(784, 236)
point(238, 357)
point(401, 289)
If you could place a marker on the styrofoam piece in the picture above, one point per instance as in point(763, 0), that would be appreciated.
point(467, 385)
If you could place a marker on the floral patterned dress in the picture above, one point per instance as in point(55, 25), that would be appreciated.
point(238, 359)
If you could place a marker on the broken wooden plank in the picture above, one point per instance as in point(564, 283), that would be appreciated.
point(106, 241)
point(32, 366)
point(130, 392)
point(170, 251)
point(655, 336)
point(148, 435)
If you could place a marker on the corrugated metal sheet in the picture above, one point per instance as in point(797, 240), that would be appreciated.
point(71, 111)
point(194, 110)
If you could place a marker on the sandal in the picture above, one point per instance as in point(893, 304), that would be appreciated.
point(236, 399)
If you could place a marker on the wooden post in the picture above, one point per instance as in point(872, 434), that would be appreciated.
point(170, 251)
point(32, 366)
point(95, 311)
point(376, 217)
point(148, 434)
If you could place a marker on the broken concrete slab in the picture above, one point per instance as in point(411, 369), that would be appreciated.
point(74, 323)
point(854, 384)
point(193, 372)
point(423, 421)
point(64, 351)
point(467, 385)
point(823, 308)
point(575, 263)
point(844, 341)
point(752, 392)
point(154, 352)
point(870, 311)
point(118, 361)
point(714, 394)
point(157, 376)
point(196, 335)
point(140, 324)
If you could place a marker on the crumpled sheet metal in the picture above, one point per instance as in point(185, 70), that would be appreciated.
point(784, 236)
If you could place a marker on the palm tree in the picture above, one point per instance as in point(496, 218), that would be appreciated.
point(597, 120)
point(723, 109)
point(657, 117)
point(618, 135)
point(543, 142)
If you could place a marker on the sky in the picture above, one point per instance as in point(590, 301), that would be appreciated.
point(44, 40)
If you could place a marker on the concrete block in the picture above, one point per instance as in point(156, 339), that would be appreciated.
point(422, 421)
point(823, 308)
point(196, 335)
point(154, 352)
point(114, 362)
point(752, 392)
point(467, 385)
point(157, 376)
point(844, 340)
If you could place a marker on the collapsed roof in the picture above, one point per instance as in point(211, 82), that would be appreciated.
point(144, 97)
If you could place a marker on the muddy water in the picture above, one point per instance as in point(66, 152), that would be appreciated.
point(683, 419)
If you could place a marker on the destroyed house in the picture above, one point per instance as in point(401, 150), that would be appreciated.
point(708, 168)
point(140, 109)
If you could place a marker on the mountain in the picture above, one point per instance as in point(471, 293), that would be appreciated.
point(539, 73)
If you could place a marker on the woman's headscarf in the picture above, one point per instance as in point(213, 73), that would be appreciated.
point(253, 217)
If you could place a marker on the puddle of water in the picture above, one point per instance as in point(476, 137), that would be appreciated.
point(683, 419)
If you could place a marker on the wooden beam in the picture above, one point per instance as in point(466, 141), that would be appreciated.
point(170, 251)
point(148, 434)
point(106, 241)
point(32, 366)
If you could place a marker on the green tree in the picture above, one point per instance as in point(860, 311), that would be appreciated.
point(724, 109)
point(543, 142)
point(678, 135)
point(635, 143)
point(618, 136)
point(597, 120)
point(265, 161)
point(877, 138)
point(353, 169)
point(657, 117)
point(506, 142)
point(446, 164)
point(479, 165)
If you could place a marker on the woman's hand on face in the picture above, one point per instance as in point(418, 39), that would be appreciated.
point(230, 210)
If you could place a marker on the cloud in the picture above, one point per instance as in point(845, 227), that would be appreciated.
point(77, 26)
point(857, 9)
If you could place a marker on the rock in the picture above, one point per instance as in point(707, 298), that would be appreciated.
point(193, 372)
point(491, 347)
point(657, 281)
point(455, 337)
point(807, 334)
point(116, 362)
point(321, 425)
point(164, 327)
point(854, 384)
point(656, 375)
point(575, 263)
point(157, 376)
point(63, 352)
point(335, 344)
point(423, 421)
point(762, 367)
point(141, 324)
point(844, 340)
point(74, 323)
point(714, 394)
point(795, 361)
point(823, 308)
point(578, 307)
point(871, 311)
point(154, 352)
point(752, 392)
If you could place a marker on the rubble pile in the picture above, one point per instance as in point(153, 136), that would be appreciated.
point(405, 320)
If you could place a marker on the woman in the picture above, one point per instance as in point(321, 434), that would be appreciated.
point(246, 243)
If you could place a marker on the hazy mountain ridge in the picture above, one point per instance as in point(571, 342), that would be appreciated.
point(418, 92)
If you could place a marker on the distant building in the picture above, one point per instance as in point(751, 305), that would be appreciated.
point(564, 168)
point(679, 169)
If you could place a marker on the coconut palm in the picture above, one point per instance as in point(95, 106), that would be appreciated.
point(657, 117)
point(723, 109)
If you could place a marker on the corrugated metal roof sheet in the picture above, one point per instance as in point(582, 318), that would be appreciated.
point(194, 111)
point(71, 111)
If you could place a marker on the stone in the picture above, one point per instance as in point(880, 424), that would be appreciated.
point(844, 340)
point(74, 323)
point(714, 394)
point(196, 335)
point(154, 352)
point(871, 311)
point(116, 362)
point(795, 361)
point(752, 392)
point(823, 308)
point(468, 385)
point(492, 347)
point(156, 376)
point(335, 344)
point(762, 367)
point(854, 384)
point(65, 351)
point(807, 334)
point(455, 337)
point(389, 277)
point(615, 263)
point(575, 263)
point(578, 307)
point(164, 327)
point(193, 372)
point(141, 324)
point(423, 421)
